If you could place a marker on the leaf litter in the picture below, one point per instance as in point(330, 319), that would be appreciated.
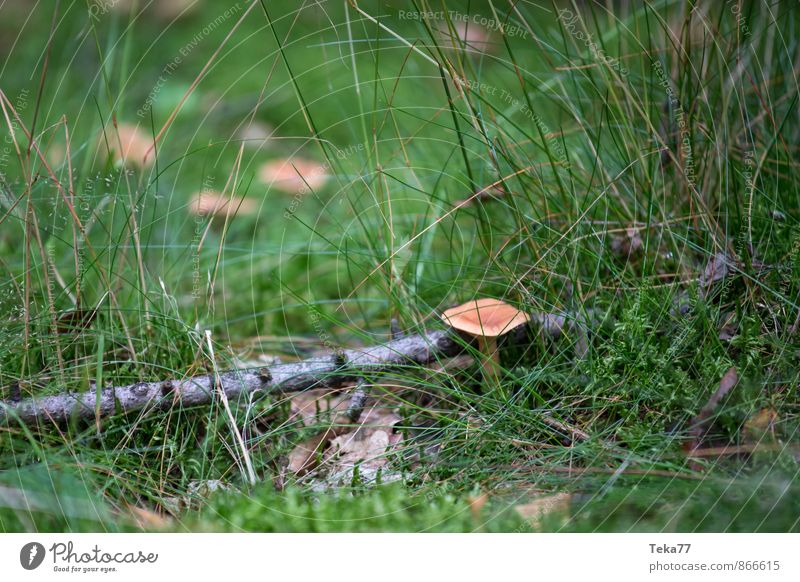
point(344, 452)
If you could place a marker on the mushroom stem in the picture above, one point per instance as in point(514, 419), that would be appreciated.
point(491, 360)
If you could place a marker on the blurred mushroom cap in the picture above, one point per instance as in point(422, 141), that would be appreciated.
point(474, 36)
point(163, 10)
point(485, 317)
point(210, 203)
point(293, 175)
point(255, 134)
point(128, 145)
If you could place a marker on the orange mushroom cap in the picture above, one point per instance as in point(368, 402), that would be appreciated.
point(293, 175)
point(213, 203)
point(485, 317)
point(128, 145)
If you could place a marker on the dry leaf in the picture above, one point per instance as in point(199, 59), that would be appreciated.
point(304, 457)
point(476, 504)
point(368, 451)
point(259, 361)
point(717, 268)
point(196, 492)
point(727, 330)
point(378, 417)
point(308, 406)
point(535, 511)
point(627, 245)
point(146, 519)
point(364, 445)
point(700, 423)
point(293, 175)
point(367, 448)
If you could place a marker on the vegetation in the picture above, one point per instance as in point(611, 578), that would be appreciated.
point(627, 175)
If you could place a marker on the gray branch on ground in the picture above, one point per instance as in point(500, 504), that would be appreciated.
point(329, 371)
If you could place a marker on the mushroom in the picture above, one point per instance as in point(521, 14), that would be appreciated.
point(476, 37)
point(486, 319)
point(255, 134)
point(128, 145)
point(165, 10)
point(294, 175)
point(213, 203)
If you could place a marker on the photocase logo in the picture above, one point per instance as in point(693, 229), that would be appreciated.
point(31, 555)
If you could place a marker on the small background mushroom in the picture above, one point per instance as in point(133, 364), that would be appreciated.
point(213, 203)
point(293, 175)
point(127, 145)
point(256, 134)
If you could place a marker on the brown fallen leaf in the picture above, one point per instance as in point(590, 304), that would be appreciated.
point(304, 457)
point(728, 329)
point(293, 175)
point(476, 504)
point(718, 268)
point(367, 447)
point(627, 245)
point(535, 511)
point(196, 494)
point(147, 519)
point(368, 451)
point(343, 445)
point(378, 417)
point(307, 407)
point(729, 380)
point(701, 423)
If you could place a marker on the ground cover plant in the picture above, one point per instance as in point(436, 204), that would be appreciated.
point(194, 187)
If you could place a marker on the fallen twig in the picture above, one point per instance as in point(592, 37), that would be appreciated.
point(336, 369)
point(333, 370)
point(575, 434)
point(358, 399)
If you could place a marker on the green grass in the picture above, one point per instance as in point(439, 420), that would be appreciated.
point(689, 138)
